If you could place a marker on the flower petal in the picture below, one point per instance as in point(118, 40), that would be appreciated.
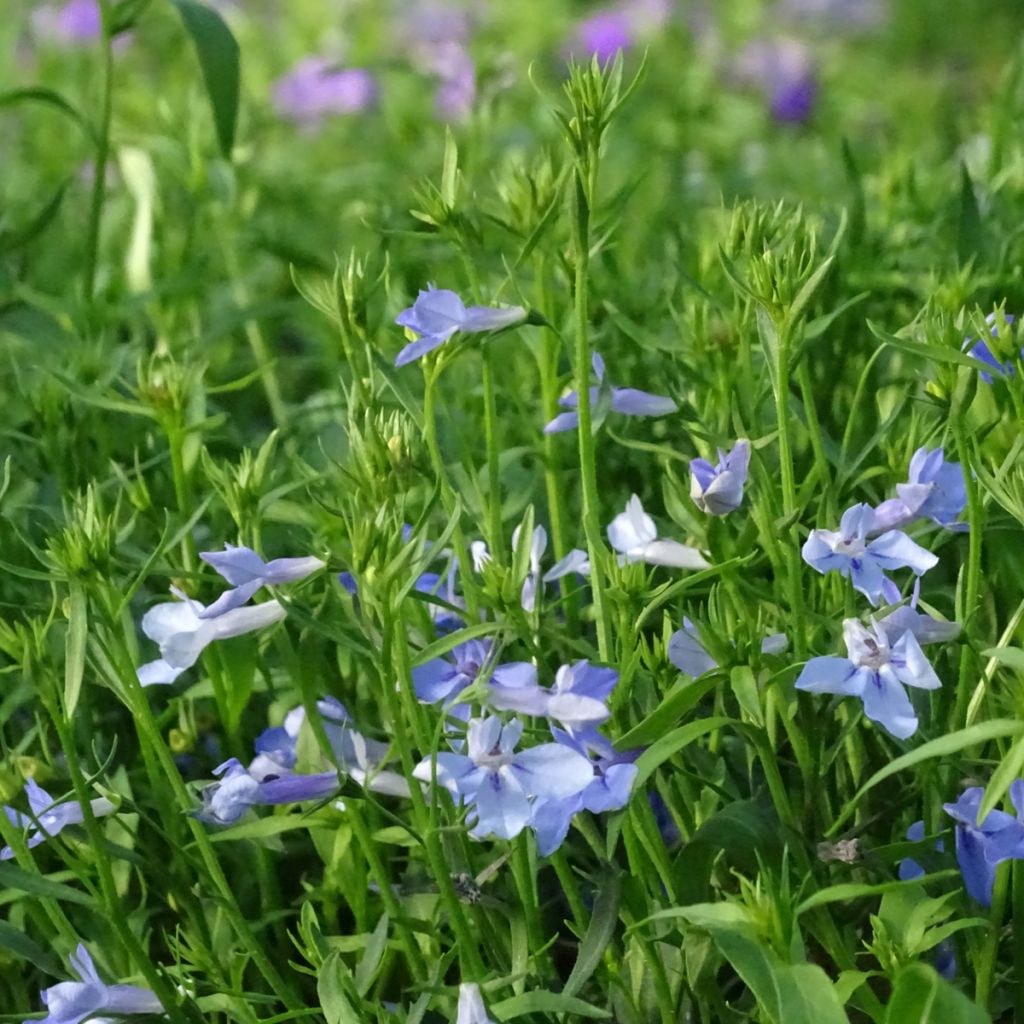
point(552, 771)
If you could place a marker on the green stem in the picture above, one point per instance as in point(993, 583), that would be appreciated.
point(494, 525)
point(986, 963)
point(588, 463)
point(99, 184)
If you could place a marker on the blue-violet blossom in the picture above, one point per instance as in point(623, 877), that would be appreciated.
point(981, 351)
point(49, 818)
point(633, 535)
point(471, 1009)
point(936, 490)
point(247, 572)
point(718, 489)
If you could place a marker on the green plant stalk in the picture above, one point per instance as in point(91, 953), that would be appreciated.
point(987, 962)
point(114, 909)
point(588, 463)
point(1017, 920)
point(102, 134)
point(493, 444)
point(570, 887)
point(792, 550)
point(526, 885)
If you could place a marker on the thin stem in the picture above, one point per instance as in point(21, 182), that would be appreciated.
point(99, 184)
point(494, 526)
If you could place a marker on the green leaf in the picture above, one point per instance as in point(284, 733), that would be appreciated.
point(846, 891)
point(545, 1002)
point(936, 353)
point(970, 238)
point(806, 293)
point(941, 747)
point(50, 98)
point(450, 170)
point(920, 996)
point(1002, 778)
point(1012, 657)
point(270, 826)
point(12, 877)
point(599, 933)
point(660, 751)
point(74, 648)
point(744, 686)
point(16, 942)
point(683, 696)
point(219, 59)
point(334, 989)
point(370, 963)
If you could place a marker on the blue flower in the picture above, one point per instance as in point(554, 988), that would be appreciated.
point(980, 350)
point(718, 489)
point(633, 535)
point(687, 652)
point(498, 783)
point(437, 314)
point(926, 629)
point(627, 401)
point(471, 1008)
point(247, 572)
point(935, 490)
point(980, 847)
point(864, 562)
point(608, 790)
point(445, 678)
point(182, 629)
point(876, 673)
point(72, 1002)
point(909, 869)
point(49, 818)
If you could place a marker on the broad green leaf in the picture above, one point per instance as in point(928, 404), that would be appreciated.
point(370, 963)
point(269, 826)
point(920, 996)
point(669, 745)
point(941, 747)
point(546, 1002)
point(334, 989)
point(74, 648)
point(12, 877)
point(219, 59)
point(846, 891)
point(599, 933)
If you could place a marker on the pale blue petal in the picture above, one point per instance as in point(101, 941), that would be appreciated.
point(831, 675)
point(895, 550)
point(563, 422)
point(501, 806)
point(887, 703)
point(551, 820)
point(552, 771)
point(631, 402)
point(417, 349)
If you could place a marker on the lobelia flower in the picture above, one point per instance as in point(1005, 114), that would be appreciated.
point(182, 632)
point(926, 630)
point(247, 572)
point(627, 401)
point(498, 783)
point(576, 561)
point(612, 29)
point(909, 869)
point(608, 790)
point(72, 1002)
point(863, 561)
point(687, 652)
point(437, 314)
point(935, 490)
point(538, 545)
point(317, 88)
point(445, 678)
point(875, 672)
point(471, 1008)
point(49, 818)
point(981, 847)
point(784, 70)
point(437, 38)
point(718, 489)
point(980, 350)
point(633, 535)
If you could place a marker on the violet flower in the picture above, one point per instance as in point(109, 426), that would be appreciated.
point(49, 818)
point(437, 314)
point(875, 672)
point(634, 536)
point(317, 88)
point(849, 552)
point(718, 489)
point(247, 573)
point(471, 1008)
point(936, 490)
point(626, 401)
point(77, 21)
point(909, 869)
point(183, 631)
point(784, 71)
point(72, 1002)
point(981, 351)
point(498, 783)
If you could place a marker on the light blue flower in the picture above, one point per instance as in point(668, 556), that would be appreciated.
point(437, 314)
point(936, 490)
point(445, 678)
point(876, 673)
point(633, 535)
point(471, 1008)
point(49, 818)
point(982, 846)
point(981, 351)
point(608, 790)
point(247, 572)
point(909, 869)
point(864, 562)
point(627, 401)
point(926, 629)
point(182, 630)
point(72, 1002)
point(687, 652)
point(499, 783)
point(718, 489)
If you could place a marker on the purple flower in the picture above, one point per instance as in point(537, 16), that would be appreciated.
point(605, 398)
point(719, 489)
point(608, 790)
point(183, 630)
point(436, 38)
point(75, 22)
point(926, 629)
point(49, 818)
point(784, 71)
point(498, 783)
point(852, 555)
point(72, 1002)
point(445, 678)
point(687, 652)
point(471, 1008)
point(981, 847)
point(604, 34)
point(632, 533)
point(909, 869)
point(437, 314)
point(981, 351)
point(876, 673)
point(247, 572)
point(316, 88)
point(936, 490)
